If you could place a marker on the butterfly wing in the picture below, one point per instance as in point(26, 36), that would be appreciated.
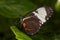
point(33, 21)
point(31, 25)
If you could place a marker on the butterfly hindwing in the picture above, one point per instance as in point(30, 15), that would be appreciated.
point(32, 25)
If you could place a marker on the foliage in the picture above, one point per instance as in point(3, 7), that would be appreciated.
point(19, 35)
point(10, 11)
point(14, 8)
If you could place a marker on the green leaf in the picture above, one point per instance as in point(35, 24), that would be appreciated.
point(57, 6)
point(19, 35)
point(14, 8)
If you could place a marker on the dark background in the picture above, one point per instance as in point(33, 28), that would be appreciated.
point(10, 11)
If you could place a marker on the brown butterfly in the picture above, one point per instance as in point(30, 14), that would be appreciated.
point(33, 21)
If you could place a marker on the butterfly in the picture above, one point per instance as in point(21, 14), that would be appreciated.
point(33, 21)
